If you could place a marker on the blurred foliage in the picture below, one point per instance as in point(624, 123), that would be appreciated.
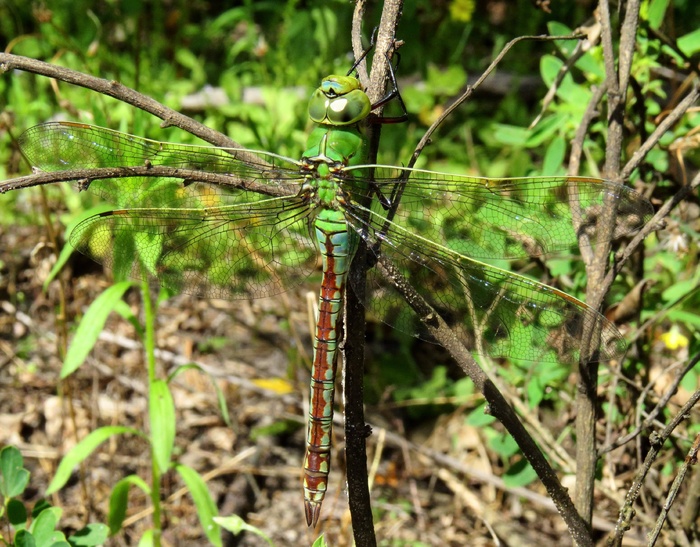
point(267, 56)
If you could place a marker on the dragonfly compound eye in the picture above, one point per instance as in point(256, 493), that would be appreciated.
point(339, 100)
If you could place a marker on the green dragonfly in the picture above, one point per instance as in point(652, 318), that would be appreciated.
point(231, 223)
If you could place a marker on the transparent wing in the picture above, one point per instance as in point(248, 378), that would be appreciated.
point(445, 221)
point(509, 218)
point(253, 249)
point(211, 240)
point(61, 146)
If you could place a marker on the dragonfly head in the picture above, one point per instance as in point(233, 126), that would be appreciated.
point(339, 100)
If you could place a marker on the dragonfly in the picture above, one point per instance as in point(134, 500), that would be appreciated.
point(234, 223)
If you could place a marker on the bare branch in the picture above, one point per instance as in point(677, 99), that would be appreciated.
point(120, 92)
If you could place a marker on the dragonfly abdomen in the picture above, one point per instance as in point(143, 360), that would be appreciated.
point(336, 251)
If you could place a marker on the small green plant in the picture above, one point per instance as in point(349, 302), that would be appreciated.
point(161, 417)
point(37, 527)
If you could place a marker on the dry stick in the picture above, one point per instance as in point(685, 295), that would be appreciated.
point(85, 176)
point(575, 159)
point(498, 406)
point(470, 89)
point(623, 255)
point(596, 269)
point(356, 430)
point(651, 415)
point(690, 459)
point(656, 442)
point(680, 109)
point(122, 93)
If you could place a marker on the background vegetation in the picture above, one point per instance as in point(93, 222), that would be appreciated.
point(247, 71)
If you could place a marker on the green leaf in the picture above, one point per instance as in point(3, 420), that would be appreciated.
point(554, 157)
point(504, 445)
point(479, 418)
point(43, 527)
point(320, 541)
point(690, 43)
point(206, 508)
point(17, 514)
point(82, 450)
point(678, 290)
point(13, 477)
point(118, 501)
point(39, 506)
point(510, 134)
point(24, 538)
point(520, 474)
point(124, 310)
point(63, 257)
point(91, 326)
point(687, 318)
point(161, 410)
point(146, 539)
point(236, 525)
point(92, 534)
point(655, 13)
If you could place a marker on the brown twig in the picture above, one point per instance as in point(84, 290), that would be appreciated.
point(498, 406)
point(353, 342)
point(85, 176)
point(470, 90)
point(596, 269)
point(658, 408)
point(656, 442)
point(120, 92)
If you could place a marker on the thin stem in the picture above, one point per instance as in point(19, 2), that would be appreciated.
point(149, 348)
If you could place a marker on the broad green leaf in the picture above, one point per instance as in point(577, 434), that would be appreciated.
point(690, 43)
point(678, 290)
point(555, 28)
point(320, 541)
point(24, 538)
point(82, 450)
point(92, 534)
point(13, 476)
point(554, 157)
point(91, 326)
point(39, 506)
point(206, 508)
point(520, 474)
point(656, 11)
point(685, 317)
point(479, 418)
point(236, 525)
point(161, 410)
point(118, 500)
point(43, 528)
point(510, 134)
point(146, 539)
point(504, 445)
point(17, 514)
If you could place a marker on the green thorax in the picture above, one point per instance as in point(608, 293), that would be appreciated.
point(337, 107)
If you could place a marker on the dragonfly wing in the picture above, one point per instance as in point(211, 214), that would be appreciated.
point(511, 218)
point(494, 311)
point(62, 146)
point(251, 249)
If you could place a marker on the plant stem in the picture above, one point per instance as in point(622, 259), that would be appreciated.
point(149, 346)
